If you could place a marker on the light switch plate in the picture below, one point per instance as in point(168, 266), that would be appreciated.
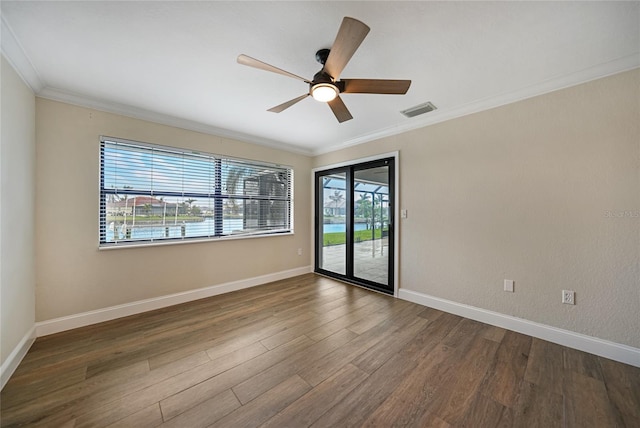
point(508, 285)
point(403, 213)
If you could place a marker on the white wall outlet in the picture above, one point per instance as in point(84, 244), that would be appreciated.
point(508, 285)
point(403, 213)
point(568, 297)
point(299, 251)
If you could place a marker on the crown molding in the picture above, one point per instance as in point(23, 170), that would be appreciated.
point(616, 66)
point(14, 53)
point(164, 119)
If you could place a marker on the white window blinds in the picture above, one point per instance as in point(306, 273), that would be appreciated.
point(155, 193)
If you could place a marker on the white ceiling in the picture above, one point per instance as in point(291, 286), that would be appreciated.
point(175, 62)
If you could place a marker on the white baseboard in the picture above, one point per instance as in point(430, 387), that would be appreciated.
point(13, 360)
point(614, 351)
point(57, 325)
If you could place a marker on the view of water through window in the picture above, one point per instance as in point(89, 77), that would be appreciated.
point(151, 193)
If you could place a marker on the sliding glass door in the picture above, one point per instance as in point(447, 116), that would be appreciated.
point(333, 218)
point(354, 223)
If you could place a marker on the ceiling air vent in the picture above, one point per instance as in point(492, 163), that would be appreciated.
point(419, 109)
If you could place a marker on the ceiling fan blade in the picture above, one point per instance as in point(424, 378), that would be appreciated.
point(284, 106)
point(350, 35)
point(340, 110)
point(376, 86)
point(252, 62)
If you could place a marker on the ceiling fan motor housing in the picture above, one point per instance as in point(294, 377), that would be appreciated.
point(322, 77)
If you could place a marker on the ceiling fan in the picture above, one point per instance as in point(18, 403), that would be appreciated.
point(326, 86)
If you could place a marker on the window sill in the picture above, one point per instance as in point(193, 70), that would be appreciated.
point(163, 242)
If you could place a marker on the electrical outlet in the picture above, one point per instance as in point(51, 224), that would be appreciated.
point(568, 297)
point(299, 251)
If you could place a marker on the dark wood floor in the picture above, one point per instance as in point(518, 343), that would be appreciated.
point(310, 351)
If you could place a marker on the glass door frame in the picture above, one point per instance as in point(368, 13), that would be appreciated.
point(348, 169)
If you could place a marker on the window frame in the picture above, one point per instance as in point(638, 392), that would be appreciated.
point(216, 196)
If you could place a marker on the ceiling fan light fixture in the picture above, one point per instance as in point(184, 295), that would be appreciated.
point(324, 92)
point(326, 85)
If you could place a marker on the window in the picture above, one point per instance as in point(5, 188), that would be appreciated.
point(151, 193)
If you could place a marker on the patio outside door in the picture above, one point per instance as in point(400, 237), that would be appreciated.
point(354, 224)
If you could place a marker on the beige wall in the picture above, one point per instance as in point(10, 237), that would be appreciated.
point(73, 276)
point(524, 192)
point(17, 211)
point(520, 192)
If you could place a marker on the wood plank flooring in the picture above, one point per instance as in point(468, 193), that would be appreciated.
point(310, 351)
